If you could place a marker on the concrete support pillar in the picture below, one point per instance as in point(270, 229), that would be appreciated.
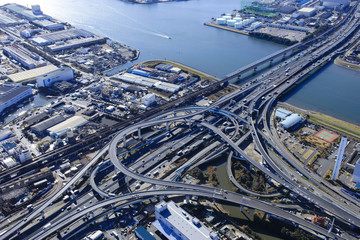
point(115, 170)
point(267, 215)
point(42, 215)
point(239, 77)
point(262, 160)
point(241, 208)
point(72, 194)
point(256, 111)
point(139, 132)
point(187, 199)
point(161, 198)
point(124, 140)
point(167, 126)
point(213, 200)
point(189, 122)
point(92, 214)
point(154, 186)
point(127, 181)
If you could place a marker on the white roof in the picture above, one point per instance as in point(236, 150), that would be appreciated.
point(72, 122)
point(9, 162)
point(189, 226)
point(31, 74)
point(308, 10)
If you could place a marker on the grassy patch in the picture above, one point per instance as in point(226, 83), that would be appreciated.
point(317, 120)
point(153, 63)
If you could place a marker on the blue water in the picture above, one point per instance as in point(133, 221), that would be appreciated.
point(216, 51)
point(333, 90)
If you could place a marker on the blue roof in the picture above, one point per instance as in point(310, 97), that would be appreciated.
point(143, 233)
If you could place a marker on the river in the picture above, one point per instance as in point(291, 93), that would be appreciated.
point(333, 91)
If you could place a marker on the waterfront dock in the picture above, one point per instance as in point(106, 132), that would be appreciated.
point(231, 29)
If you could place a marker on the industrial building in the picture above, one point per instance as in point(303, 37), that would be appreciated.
point(49, 25)
point(143, 234)
point(35, 119)
point(30, 75)
point(61, 74)
point(61, 128)
point(24, 12)
point(11, 95)
point(175, 223)
point(9, 20)
point(41, 127)
point(148, 82)
point(76, 43)
point(27, 58)
point(5, 133)
point(291, 121)
point(51, 38)
point(307, 12)
point(282, 113)
point(334, 4)
point(148, 99)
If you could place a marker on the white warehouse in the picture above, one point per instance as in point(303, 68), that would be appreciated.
point(61, 74)
point(61, 128)
point(291, 121)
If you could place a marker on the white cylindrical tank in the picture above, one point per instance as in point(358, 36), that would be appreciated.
point(227, 17)
point(238, 19)
point(231, 23)
point(221, 21)
point(239, 25)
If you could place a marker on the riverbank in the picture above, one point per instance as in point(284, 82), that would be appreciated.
point(340, 62)
point(332, 123)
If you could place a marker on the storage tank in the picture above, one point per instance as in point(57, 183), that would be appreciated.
point(221, 21)
point(231, 23)
point(238, 25)
point(227, 17)
point(238, 19)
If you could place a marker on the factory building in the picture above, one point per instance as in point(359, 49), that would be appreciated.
point(11, 95)
point(143, 234)
point(291, 121)
point(148, 82)
point(35, 119)
point(333, 4)
point(49, 25)
point(30, 14)
point(72, 123)
point(61, 74)
point(282, 113)
point(27, 58)
point(175, 223)
point(148, 99)
point(41, 127)
point(51, 38)
point(5, 133)
point(22, 154)
point(76, 43)
point(30, 75)
point(307, 12)
point(7, 20)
